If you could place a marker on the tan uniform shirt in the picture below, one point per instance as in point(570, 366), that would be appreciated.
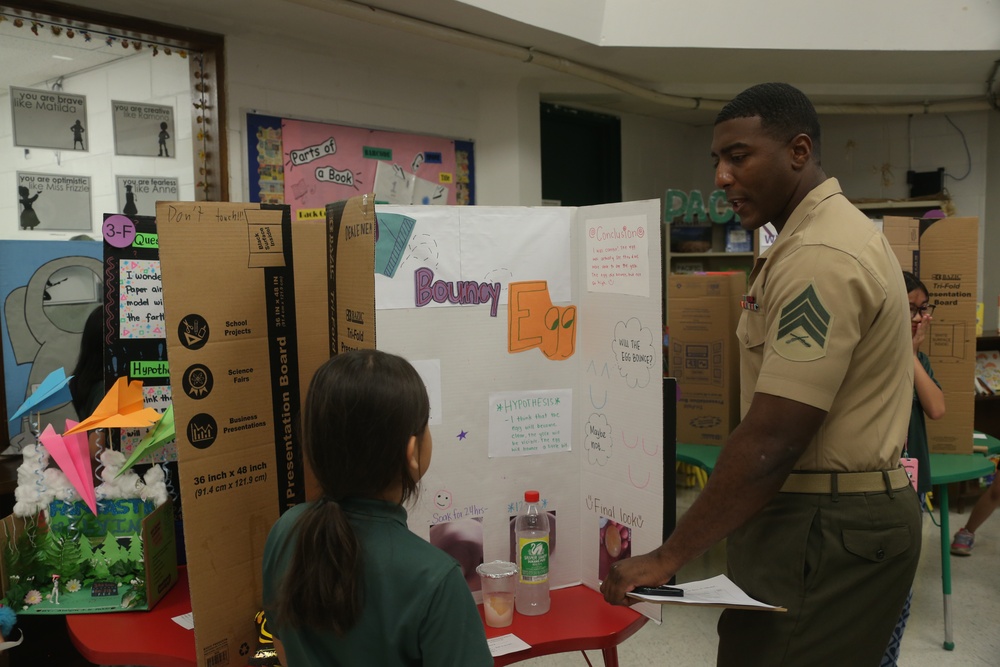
point(825, 324)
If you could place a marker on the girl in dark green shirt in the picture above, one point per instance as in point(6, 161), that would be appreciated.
point(345, 581)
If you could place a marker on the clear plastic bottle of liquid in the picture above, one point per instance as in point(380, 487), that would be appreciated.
point(531, 530)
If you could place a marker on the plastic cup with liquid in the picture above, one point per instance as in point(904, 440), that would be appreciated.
point(498, 577)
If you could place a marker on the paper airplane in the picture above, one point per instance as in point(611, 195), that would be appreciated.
point(54, 390)
point(157, 437)
point(120, 408)
point(72, 454)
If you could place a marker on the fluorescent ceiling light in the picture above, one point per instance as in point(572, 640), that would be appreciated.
point(61, 57)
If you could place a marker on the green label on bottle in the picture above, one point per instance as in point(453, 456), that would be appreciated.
point(534, 559)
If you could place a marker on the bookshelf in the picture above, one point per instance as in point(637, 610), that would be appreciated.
point(907, 208)
point(987, 408)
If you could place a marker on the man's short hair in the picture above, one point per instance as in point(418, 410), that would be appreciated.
point(784, 112)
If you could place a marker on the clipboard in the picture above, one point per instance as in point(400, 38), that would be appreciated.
point(719, 591)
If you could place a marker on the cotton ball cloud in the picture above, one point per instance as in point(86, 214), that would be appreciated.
point(126, 486)
point(598, 441)
point(59, 486)
point(154, 486)
point(32, 494)
point(634, 352)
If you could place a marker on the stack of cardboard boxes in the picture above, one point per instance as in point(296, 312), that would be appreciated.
point(942, 252)
point(703, 311)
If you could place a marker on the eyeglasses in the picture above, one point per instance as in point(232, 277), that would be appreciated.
point(923, 310)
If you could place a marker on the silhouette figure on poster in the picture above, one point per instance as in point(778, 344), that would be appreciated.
point(164, 135)
point(130, 207)
point(48, 283)
point(29, 219)
point(77, 130)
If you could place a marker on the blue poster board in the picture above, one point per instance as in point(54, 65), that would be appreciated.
point(48, 290)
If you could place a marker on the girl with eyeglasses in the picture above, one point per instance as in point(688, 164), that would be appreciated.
point(928, 400)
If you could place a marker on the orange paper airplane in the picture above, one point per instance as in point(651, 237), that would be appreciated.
point(120, 408)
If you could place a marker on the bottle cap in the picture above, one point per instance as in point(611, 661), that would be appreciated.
point(531, 496)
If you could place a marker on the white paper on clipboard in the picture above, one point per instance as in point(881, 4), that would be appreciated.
point(718, 591)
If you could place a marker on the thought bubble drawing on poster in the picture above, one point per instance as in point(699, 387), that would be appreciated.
point(634, 352)
point(597, 441)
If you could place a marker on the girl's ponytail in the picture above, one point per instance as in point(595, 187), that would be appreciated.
point(322, 586)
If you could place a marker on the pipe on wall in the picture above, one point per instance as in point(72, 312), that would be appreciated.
point(391, 20)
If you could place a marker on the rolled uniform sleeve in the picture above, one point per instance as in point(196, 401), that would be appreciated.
point(818, 308)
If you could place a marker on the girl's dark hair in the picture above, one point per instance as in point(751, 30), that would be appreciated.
point(912, 283)
point(785, 112)
point(89, 370)
point(360, 412)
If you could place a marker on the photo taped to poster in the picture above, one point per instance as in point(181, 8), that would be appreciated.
point(53, 202)
point(143, 129)
point(137, 195)
point(49, 119)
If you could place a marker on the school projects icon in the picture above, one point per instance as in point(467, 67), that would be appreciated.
point(193, 332)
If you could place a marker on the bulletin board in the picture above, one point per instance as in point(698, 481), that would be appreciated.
point(134, 333)
point(48, 289)
point(307, 164)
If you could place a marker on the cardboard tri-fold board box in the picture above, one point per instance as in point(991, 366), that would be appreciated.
point(903, 235)
point(468, 295)
point(703, 311)
point(946, 261)
point(256, 319)
point(124, 558)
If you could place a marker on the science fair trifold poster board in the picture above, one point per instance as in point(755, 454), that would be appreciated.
point(536, 331)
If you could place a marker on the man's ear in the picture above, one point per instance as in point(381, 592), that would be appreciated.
point(801, 150)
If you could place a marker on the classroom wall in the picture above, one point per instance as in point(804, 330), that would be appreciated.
point(846, 24)
point(659, 154)
point(163, 80)
point(499, 114)
point(870, 156)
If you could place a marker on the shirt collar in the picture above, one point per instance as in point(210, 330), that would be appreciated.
point(373, 508)
point(820, 193)
point(813, 198)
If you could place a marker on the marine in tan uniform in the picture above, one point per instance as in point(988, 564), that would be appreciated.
point(819, 517)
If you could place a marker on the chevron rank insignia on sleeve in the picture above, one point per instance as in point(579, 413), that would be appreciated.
point(803, 328)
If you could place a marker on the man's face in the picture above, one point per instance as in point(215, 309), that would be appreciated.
point(755, 170)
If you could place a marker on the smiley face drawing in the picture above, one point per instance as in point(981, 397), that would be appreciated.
point(442, 499)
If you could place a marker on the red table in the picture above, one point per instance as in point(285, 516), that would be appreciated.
point(138, 637)
point(579, 619)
